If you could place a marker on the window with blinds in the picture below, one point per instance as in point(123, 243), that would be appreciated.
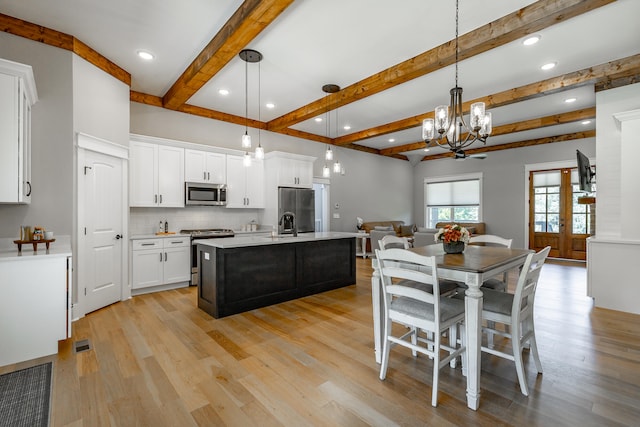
point(454, 199)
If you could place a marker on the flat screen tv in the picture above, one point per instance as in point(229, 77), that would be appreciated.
point(585, 174)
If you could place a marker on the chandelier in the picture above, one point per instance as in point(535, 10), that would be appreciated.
point(249, 55)
point(453, 134)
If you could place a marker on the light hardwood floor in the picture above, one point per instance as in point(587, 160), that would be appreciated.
point(157, 360)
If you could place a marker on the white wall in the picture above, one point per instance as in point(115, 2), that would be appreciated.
point(504, 177)
point(52, 139)
point(616, 246)
point(100, 103)
point(609, 152)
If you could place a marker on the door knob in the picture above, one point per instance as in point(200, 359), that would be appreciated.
point(118, 236)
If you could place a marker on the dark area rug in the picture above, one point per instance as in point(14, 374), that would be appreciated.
point(25, 396)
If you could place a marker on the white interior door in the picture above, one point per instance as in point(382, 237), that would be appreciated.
point(103, 234)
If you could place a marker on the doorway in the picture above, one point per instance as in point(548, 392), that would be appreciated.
point(321, 189)
point(556, 218)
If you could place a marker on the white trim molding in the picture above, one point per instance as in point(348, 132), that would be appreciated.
point(100, 145)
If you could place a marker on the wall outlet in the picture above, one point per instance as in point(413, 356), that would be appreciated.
point(336, 216)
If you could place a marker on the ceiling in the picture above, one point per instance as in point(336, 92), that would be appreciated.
point(393, 63)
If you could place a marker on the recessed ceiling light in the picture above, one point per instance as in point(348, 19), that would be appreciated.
point(270, 105)
point(223, 92)
point(318, 119)
point(586, 122)
point(392, 140)
point(426, 149)
point(531, 40)
point(347, 127)
point(570, 100)
point(549, 66)
point(148, 56)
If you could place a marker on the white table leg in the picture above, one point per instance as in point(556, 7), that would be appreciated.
point(376, 283)
point(473, 323)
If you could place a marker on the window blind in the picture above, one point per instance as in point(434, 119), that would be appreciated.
point(454, 193)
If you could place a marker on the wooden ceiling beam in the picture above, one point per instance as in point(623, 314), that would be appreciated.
point(535, 17)
point(38, 33)
point(625, 70)
point(541, 122)
point(156, 101)
point(245, 24)
point(518, 144)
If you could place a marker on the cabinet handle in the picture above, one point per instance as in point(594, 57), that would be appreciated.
point(165, 257)
point(155, 198)
point(118, 236)
point(160, 256)
point(175, 243)
point(28, 192)
point(148, 244)
point(209, 176)
point(204, 175)
point(161, 198)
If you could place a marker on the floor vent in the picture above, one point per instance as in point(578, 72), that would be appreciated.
point(80, 346)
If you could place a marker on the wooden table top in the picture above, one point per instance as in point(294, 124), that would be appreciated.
point(477, 259)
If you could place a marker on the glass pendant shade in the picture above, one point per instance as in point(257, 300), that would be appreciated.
point(326, 172)
point(476, 116)
point(441, 118)
point(328, 155)
point(246, 140)
point(428, 129)
point(259, 152)
point(486, 125)
point(246, 160)
point(337, 167)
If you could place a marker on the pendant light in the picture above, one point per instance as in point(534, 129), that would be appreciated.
point(248, 55)
point(328, 155)
point(259, 153)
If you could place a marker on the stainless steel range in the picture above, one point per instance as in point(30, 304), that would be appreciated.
point(205, 233)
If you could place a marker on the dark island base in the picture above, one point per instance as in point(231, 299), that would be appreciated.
point(240, 279)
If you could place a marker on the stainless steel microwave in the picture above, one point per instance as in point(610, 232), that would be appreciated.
point(199, 194)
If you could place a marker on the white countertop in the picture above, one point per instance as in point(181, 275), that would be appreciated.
point(9, 250)
point(245, 241)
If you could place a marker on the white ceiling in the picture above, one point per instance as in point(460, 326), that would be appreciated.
point(314, 42)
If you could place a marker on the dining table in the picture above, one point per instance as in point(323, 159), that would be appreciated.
point(473, 266)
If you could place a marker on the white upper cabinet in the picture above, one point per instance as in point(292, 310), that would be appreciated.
point(17, 95)
point(156, 175)
point(205, 167)
point(290, 170)
point(245, 184)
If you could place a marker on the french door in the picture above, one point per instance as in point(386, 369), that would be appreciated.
point(556, 218)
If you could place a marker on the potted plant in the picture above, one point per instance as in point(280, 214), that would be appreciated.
point(453, 238)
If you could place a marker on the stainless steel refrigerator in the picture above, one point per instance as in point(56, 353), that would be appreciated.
point(300, 201)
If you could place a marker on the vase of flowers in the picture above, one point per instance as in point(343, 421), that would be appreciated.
point(453, 238)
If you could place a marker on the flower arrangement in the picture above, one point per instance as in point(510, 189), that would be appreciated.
point(452, 233)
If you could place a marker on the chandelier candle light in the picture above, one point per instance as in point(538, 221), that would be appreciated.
point(453, 133)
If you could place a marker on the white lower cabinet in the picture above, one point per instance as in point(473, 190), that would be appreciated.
point(160, 261)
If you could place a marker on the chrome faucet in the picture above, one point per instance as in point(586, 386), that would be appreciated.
point(289, 219)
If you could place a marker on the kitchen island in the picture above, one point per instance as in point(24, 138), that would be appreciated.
point(243, 273)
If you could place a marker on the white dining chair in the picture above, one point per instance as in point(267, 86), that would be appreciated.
point(516, 311)
point(420, 308)
point(392, 241)
point(493, 283)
